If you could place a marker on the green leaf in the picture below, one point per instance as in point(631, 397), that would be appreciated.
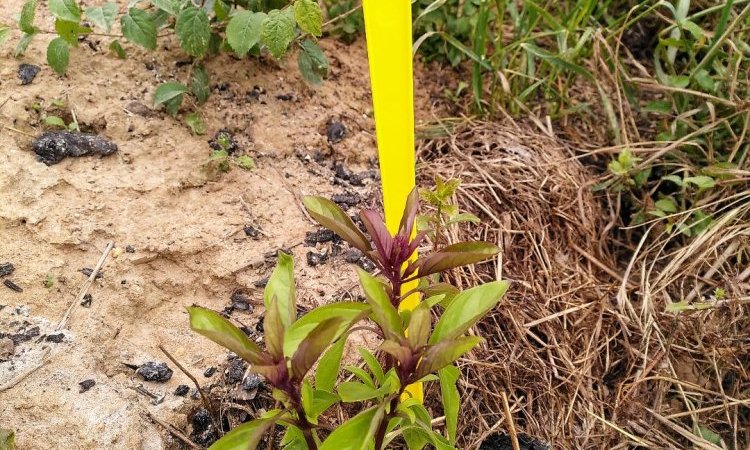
point(194, 31)
point(466, 309)
point(709, 435)
point(444, 353)
point(7, 439)
point(200, 85)
point(667, 204)
point(4, 34)
point(281, 286)
point(194, 121)
point(168, 91)
point(349, 311)
point(401, 353)
point(322, 400)
point(354, 391)
point(245, 162)
point(23, 44)
point(328, 214)
point(420, 326)
point(362, 375)
point(309, 17)
point(372, 364)
point(171, 6)
point(328, 367)
point(273, 329)
point(244, 31)
point(70, 31)
point(221, 10)
point(313, 345)
point(356, 433)
point(312, 63)
point(26, 19)
point(451, 400)
point(58, 56)
point(244, 437)
point(308, 396)
point(701, 181)
point(137, 27)
point(456, 255)
point(219, 330)
point(55, 121)
point(102, 16)
point(278, 31)
point(385, 313)
point(117, 49)
point(65, 10)
point(659, 106)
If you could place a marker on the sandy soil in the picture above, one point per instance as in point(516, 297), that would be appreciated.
point(185, 226)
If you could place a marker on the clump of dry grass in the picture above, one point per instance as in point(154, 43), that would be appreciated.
point(585, 347)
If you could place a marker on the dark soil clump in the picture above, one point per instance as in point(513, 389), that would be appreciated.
point(27, 73)
point(54, 146)
point(153, 371)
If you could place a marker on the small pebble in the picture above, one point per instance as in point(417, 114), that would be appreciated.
point(85, 385)
point(87, 299)
point(208, 373)
point(153, 371)
point(316, 259)
point(27, 73)
point(182, 390)
point(336, 132)
point(130, 249)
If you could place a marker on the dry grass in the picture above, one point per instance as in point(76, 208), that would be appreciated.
point(584, 346)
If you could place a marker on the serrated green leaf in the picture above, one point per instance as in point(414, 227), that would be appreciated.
point(278, 31)
point(309, 16)
point(58, 55)
point(55, 121)
point(137, 27)
point(103, 16)
point(466, 309)
point(65, 10)
point(221, 10)
point(245, 162)
point(172, 106)
point(313, 64)
point(199, 84)
point(26, 19)
point(168, 91)
point(244, 31)
point(117, 49)
point(194, 31)
point(196, 124)
point(23, 44)
point(171, 6)
point(69, 31)
point(328, 367)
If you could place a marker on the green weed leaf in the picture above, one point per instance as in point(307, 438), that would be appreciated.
point(23, 44)
point(245, 162)
point(701, 181)
point(65, 10)
point(328, 214)
point(312, 63)
point(372, 363)
point(244, 31)
point(194, 31)
point(58, 55)
point(171, 6)
point(309, 16)
point(117, 49)
point(26, 19)
point(102, 16)
point(55, 121)
point(322, 400)
point(168, 91)
point(200, 85)
point(278, 31)
point(137, 27)
point(69, 31)
point(194, 121)
point(466, 309)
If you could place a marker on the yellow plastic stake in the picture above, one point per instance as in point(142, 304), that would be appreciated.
point(389, 41)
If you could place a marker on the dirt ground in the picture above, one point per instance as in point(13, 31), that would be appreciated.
point(185, 227)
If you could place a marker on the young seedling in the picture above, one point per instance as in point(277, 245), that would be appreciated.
point(294, 346)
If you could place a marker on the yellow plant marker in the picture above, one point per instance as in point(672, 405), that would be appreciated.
point(389, 36)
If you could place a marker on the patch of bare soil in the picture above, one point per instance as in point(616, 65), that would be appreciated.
point(182, 234)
